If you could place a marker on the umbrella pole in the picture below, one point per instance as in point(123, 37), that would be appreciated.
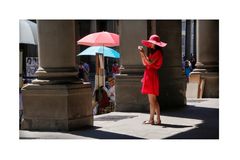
point(107, 66)
point(97, 69)
point(99, 74)
point(97, 88)
point(103, 75)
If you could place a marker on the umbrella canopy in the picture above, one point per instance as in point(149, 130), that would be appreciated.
point(100, 39)
point(28, 32)
point(107, 52)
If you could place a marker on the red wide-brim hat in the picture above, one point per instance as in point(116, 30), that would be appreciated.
point(154, 39)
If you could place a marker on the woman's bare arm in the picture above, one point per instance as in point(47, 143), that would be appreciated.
point(144, 58)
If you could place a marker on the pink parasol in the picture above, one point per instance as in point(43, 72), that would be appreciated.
point(100, 39)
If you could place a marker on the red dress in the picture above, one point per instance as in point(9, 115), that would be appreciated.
point(150, 81)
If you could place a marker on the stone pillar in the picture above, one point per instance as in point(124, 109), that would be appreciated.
point(188, 40)
point(207, 44)
point(93, 26)
point(56, 100)
point(172, 79)
point(56, 58)
point(128, 84)
point(92, 59)
point(193, 39)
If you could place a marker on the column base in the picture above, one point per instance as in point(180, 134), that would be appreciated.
point(209, 73)
point(211, 83)
point(56, 72)
point(128, 94)
point(172, 88)
point(61, 107)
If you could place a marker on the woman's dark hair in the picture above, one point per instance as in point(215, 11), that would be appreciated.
point(152, 51)
point(29, 60)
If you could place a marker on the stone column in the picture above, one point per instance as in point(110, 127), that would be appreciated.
point(56, 48)
point(188, 40)
point(128, 84)
point(93, 26)
point(172, 79)
point(207, 66)
point(56, 100)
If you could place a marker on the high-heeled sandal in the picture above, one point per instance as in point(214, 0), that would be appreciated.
point(148, 122)
point(158, 123)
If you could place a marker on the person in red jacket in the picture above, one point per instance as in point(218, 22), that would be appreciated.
point(115, 69)
point(150, 82)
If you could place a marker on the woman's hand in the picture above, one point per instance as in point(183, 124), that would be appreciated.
point(142, 54)
point(140, 49)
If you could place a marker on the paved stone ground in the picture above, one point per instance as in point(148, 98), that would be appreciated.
point(198, 120)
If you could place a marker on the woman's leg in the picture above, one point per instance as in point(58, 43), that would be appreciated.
point(152, 108)
point(156, 108)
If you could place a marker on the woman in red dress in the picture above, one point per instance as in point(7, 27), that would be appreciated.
point(150, 82)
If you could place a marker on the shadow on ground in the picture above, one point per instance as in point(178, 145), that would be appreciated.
point(113, 118)
point(208, 129)
point(92, 132)
point(165, 125)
